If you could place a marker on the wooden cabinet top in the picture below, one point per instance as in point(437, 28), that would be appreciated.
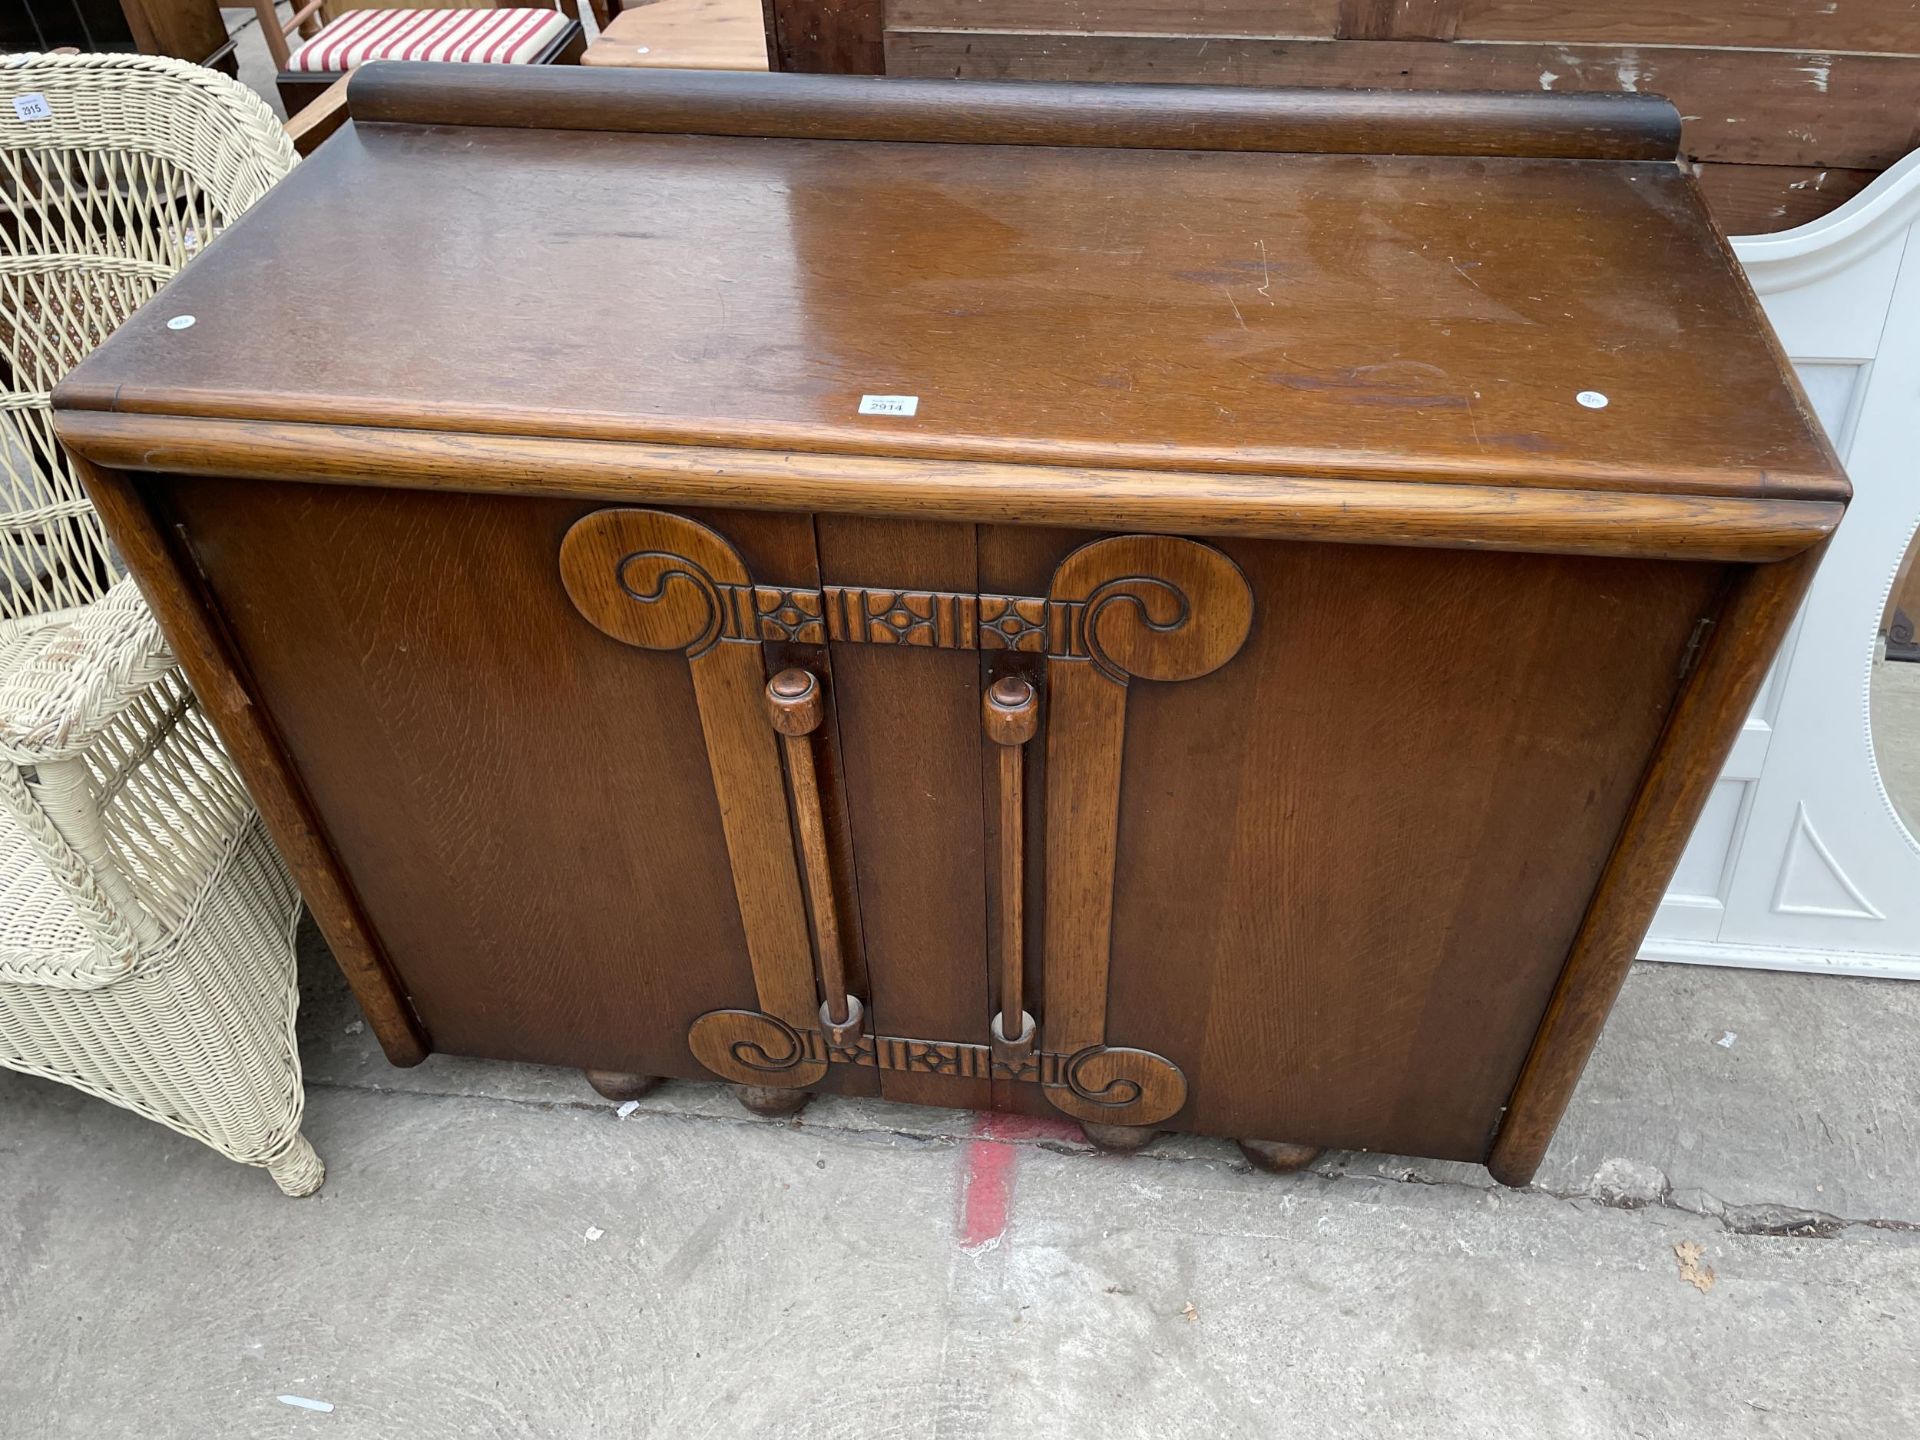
point(1505, 290)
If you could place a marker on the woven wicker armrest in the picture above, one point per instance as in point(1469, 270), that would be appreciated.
point(64, 677)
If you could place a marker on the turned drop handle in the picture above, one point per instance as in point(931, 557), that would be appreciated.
point(797, 706)
point(1010, 712)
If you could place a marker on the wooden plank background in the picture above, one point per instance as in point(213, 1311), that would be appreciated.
point(1790, 106)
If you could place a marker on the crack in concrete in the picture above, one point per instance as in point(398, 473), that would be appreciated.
point(1765, 1219)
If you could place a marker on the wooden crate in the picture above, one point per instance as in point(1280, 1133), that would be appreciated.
point(1789, 108)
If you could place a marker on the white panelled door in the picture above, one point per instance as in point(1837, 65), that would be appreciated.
point(1800, 861)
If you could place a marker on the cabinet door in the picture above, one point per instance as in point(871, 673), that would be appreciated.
point(528, 808)
point(907, 704)
point(937, 691)
point(1316, 824)
point(1350, 862)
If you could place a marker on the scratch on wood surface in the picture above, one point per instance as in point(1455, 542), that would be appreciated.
point(1266, 275)
point(1236, 309)
point(1473, 423)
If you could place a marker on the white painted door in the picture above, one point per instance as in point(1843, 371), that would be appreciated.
point(1800, 861)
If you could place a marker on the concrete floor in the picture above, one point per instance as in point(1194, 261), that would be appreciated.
point(497, 1254)
point(250, 52)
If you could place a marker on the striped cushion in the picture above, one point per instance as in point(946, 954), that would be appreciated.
point(499, 37)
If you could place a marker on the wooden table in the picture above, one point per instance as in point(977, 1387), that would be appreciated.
point(683, 34)
point(1201, 610)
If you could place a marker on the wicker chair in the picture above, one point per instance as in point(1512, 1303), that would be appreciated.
point(146, 948)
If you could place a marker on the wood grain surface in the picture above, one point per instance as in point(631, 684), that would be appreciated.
point(1886, 26)
point(1383, 510)
point(1341, 980)
point(1277, 19)
point(797, 704)
point(840, 37)
point(1838, 122)
point(908, 725)
point(1706, 721)
point(1347, 865)
point(663, 582)
point(697, 34)
point(524, 805)
point(1759, 199)
point(1787, 103)
point(1010, 716)
point(1369, 741)
point(1308, 316)
point(174, 585)
point(1153, 607)
point(1192, 117)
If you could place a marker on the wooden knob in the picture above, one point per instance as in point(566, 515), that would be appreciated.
point(1011, 710)
point(793, 697)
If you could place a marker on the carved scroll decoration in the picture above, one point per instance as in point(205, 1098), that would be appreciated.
point(1112, 1087)
point(1128, 607)
point(664, 582)
point(1150, 607)
point(870, 615)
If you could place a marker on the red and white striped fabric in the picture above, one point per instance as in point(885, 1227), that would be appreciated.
point(494, 37)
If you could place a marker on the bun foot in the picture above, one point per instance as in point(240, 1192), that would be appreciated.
point(1118, 1139)
point(618, 1085)
point(771, 1102)
point(1277, 1157)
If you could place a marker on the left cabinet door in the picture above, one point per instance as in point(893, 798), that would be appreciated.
point(526, 805)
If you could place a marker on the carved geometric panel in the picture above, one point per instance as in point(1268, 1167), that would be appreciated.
point(792, 615)
point(1111, 1086)
point(935, 619)
point(940, 619)
point(1811, 881)
point(1013, 622)
point(932, 1057)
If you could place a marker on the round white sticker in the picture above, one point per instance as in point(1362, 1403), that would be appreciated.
point(1592, 399)
point(180, 322)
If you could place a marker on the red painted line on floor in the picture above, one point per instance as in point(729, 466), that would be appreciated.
point(986, 1171)
point(988, 1167)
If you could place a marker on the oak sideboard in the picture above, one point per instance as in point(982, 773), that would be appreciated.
point(1205, 610)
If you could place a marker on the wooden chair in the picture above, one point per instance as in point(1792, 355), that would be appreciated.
point(324, 39)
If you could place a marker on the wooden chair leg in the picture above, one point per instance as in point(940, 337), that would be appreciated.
point(270, 31)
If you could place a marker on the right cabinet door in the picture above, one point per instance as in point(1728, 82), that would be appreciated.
point(1320, 821)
